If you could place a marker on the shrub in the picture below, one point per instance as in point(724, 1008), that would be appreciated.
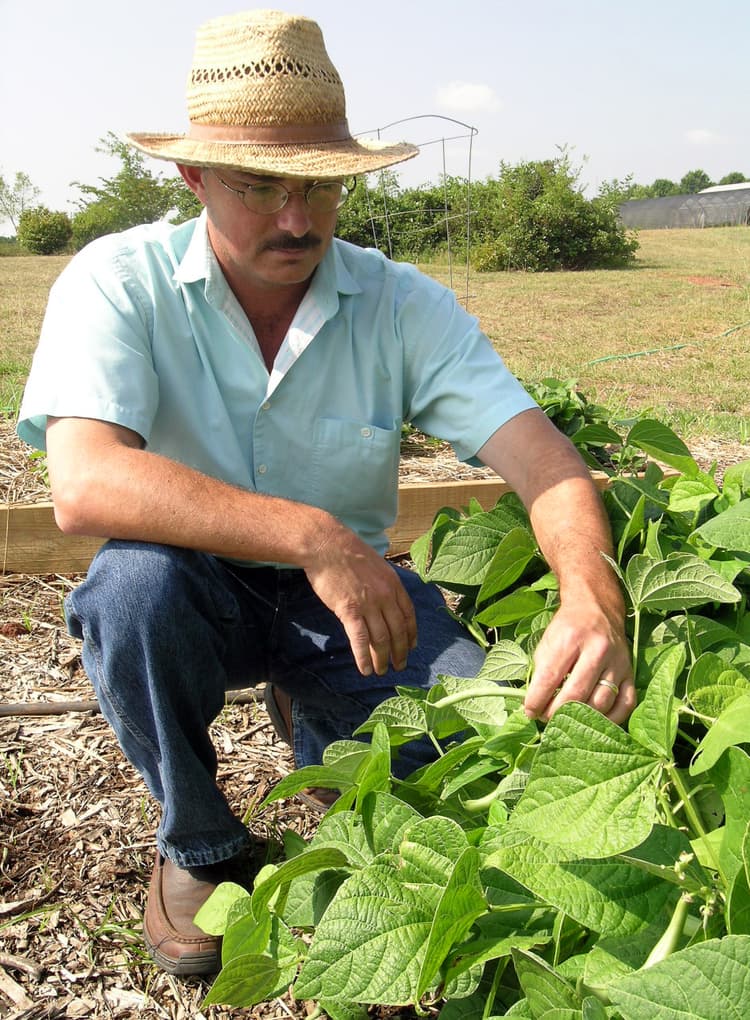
point(96, 220)
point(542, 221)
point(43, 232)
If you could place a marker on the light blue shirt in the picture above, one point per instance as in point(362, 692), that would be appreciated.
point(142, 330)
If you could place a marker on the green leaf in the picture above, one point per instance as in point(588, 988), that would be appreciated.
point(591, 789)
point(482, 703)
point(596, 435)
point(691, 495)
point(374, 774)
point(246, 981)
point(343, 1010)
point(464, 556)
point(712, 685)
point(613, 896)
point(317, 859)
point(709, 981)
point(430, 849)
point(519, 604)
point(361, 837)
point(461, 903)
point(404, 717)
point(677, 583)
point(513, 554)
point(654, 722)
point(660, 442)
point(505, 663)
point(377, 961)
point(738, 900)
point(731, 774)
point(730, 530)
point(737, 479)
point(634, 526)
point(542, 986)
point(213, 915)
point(731, 728)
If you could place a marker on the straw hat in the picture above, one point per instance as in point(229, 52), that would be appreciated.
point(264, 97)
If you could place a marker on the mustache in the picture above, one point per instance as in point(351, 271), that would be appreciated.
point(286, 242)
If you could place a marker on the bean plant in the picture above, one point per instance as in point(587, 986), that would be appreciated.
point(577, 870)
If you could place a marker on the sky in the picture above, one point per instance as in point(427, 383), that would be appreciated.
point(648, 88)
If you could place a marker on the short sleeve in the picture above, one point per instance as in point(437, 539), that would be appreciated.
point(459, 387)
point(94, 358)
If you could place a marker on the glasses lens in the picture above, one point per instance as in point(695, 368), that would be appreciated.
point(265, 198)
point(327, 196)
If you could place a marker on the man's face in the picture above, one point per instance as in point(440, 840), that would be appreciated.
point(261, 249)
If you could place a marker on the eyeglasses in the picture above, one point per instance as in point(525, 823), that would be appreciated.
point(268, 197)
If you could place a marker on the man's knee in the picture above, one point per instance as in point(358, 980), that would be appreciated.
point(141, 584)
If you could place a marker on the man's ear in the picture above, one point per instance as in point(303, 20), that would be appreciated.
point(193, 177)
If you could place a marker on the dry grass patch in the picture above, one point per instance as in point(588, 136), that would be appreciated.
point(24, 284)
point(661, 335)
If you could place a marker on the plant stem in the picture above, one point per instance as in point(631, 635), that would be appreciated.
point(501, 692)
point(497, 977)
point(636, 641)
point(436, 744)
point(692, 815)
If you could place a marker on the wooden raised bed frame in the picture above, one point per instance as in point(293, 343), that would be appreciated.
point(31, 542)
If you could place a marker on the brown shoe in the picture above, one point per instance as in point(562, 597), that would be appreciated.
point(279, 707)
point(172, 939)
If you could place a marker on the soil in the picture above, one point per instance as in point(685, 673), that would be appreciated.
point(76, 823)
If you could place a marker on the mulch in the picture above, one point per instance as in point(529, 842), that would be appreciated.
point(76, 822)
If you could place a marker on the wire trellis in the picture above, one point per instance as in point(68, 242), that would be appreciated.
point(390, 224)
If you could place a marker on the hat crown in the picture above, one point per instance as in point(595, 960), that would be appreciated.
point(263, 68)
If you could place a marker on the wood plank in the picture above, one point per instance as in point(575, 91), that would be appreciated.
point(31, 542)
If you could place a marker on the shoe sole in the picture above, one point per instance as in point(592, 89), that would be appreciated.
point(190, 964)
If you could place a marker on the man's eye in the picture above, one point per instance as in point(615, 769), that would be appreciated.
point(264, 191)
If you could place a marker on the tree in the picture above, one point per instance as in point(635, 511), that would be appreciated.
point(735, 177)
point(662, 187)
point(16, 197)
point(43, 232)
point(695, 181)
point(133, 196)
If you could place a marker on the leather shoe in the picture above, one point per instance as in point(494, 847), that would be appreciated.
point(174, 941)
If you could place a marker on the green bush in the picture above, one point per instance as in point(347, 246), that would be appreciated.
point(542, 221)
point(43, 232)
point(96, 220)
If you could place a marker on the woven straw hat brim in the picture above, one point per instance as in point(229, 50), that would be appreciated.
point(345, 158)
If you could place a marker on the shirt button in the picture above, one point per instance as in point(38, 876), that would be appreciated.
point(365, 433)
point(264, 406)
point(262, 468)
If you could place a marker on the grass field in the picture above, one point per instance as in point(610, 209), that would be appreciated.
point(671, 334)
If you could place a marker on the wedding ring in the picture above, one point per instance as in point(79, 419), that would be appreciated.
point(611, 684)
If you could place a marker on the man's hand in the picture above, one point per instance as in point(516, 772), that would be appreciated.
point(582, 657)
point(367, 596)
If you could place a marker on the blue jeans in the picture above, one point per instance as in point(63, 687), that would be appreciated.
point(167, 631)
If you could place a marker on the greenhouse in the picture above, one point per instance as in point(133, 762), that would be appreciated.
point(714, 207)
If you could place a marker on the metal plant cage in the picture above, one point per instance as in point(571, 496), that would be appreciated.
point(729, 208)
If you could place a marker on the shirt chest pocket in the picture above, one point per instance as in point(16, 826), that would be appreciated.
point(355, 465)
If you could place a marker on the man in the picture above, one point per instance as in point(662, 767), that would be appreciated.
point(223, 401)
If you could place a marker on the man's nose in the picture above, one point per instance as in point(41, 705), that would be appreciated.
point(294, 216)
